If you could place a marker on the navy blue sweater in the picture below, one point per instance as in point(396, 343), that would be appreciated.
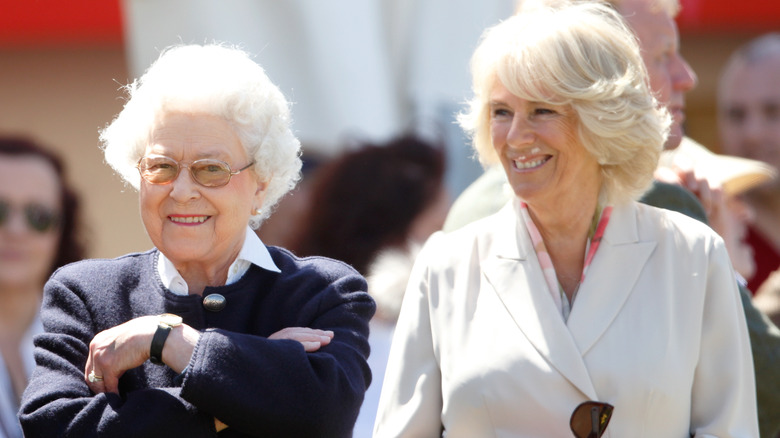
point(259, 387)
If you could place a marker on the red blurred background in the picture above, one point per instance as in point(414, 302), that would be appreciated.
point(52, 23)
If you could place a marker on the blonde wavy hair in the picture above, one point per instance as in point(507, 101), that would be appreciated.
point(215, 80)
point(582, 55)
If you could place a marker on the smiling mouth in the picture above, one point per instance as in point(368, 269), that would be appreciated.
point(188, 219)
point(530, 164)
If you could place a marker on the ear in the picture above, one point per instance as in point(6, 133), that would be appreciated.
point(259, 196)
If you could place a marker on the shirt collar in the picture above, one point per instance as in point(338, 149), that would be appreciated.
point(253, 252)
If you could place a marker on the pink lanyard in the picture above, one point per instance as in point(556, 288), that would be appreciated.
point(595, 234)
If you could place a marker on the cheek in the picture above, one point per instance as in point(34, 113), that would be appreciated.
point(774, 131)
point(498, 134)
point(45, 250)
point(49, 246)
point(148, 205)
point(659, 81)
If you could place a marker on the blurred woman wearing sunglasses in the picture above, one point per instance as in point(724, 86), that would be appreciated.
point(210, 331)
point(573, 295)
point(39, 231)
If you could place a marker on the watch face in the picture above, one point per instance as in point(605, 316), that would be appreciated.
point(170, 319)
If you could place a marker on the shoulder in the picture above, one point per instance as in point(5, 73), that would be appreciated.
point(98, 291)
point(496, 233)
point(324, 281)
point(97, 270)
point(667, 225)
point(675, 198)
point(312, 267)
point(485, 196)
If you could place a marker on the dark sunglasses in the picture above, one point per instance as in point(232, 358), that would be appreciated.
point(590, 419)
point(159, 169)
point(38, 217)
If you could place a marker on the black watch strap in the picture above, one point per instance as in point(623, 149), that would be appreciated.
point(158, 341)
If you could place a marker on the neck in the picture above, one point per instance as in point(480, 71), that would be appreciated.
point(567, 219)
point(198, 279)
point(564, 229)
point(20, 305)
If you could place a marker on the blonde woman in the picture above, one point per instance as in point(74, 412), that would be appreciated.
point(573, 293)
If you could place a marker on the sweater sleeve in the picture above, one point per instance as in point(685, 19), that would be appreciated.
point(57, 401)
point(265, 387)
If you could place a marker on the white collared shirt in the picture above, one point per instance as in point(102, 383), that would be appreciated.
point(252, 252)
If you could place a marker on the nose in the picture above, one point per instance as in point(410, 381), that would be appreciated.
point(184, 188)
point(684, 78)
point(752, 129)
point(520, 132)
point(15, 222)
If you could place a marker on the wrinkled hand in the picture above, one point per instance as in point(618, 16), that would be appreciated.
point(118, 349)
point(312, 339)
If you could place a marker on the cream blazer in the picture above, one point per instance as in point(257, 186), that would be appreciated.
point(657, 330)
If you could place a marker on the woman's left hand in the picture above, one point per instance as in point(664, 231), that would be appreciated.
point(311, 339)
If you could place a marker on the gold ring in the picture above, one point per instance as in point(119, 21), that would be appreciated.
point(93, 378)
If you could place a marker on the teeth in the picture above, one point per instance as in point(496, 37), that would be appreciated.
point(529, 164)
point(189, 219)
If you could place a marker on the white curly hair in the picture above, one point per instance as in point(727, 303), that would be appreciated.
point(216, 80)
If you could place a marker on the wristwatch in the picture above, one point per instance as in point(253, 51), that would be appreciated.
point(166, 323)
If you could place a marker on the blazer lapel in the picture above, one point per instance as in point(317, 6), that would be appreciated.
point(513, 271)
point(610, 279)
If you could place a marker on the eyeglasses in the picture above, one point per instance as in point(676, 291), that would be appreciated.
point(590, 419)
point(38, 217)
point(159, 169)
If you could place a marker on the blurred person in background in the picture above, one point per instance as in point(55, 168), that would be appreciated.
point(39, 232)
point(210, 332)
point(735, 177)
point(374, 197)
point(283, 226)
point(373, 207)
point(749, 125)
point(573, 292)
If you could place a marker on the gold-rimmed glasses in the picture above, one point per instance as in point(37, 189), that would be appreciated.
point(159, 169)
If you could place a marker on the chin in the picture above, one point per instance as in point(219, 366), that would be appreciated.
point(673, 141)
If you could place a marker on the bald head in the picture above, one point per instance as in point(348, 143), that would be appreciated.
point(749, 101)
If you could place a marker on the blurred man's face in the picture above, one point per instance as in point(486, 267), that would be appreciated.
point(670, 75)
point(749, 110)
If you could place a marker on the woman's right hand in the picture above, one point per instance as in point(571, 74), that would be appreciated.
point(116, 350)
point(311, 339)
point(126, 346)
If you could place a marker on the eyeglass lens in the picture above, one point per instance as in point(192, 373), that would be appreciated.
point(158, 169)
point(37, 217)
point(590, 419)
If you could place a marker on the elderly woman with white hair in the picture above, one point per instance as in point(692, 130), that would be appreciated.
point(210, 331)
point(574, 309)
